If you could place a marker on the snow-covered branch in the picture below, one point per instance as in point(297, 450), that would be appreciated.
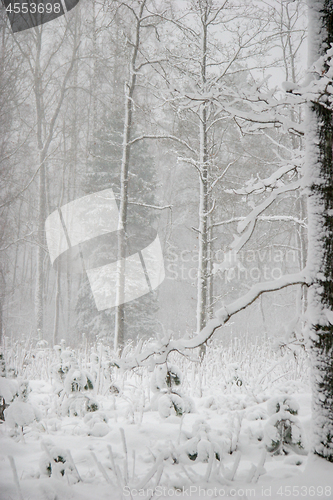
point(157, 137)
point(159, 352)
point(264, 118)
point(265, 218)
point(257, 186)
point(266, 203)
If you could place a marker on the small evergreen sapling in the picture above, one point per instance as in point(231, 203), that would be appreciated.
point(201, 445)
point(282, 432)
point(21, 413)
point(2, 365)
point(3, 404)
point(8, 387)
point(79, 386)
point(168, 400)
point(58, 463)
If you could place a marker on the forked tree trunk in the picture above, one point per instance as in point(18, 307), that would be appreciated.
point(319, 179)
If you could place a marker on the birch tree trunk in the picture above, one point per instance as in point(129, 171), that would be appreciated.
point(39, 295)
point(124, 177)
point(202, 293)
point(319, 181)
point(39, 299)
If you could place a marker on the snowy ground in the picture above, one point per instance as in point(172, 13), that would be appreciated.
point(129, 449)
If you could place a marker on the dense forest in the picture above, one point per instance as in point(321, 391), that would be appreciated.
point(164, 98)
point(166, 298)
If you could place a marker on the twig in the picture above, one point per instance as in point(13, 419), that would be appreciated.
point(101, 468)
point(73, 464)
point(235, 466)
point(122, 432)
point(150, 474)
point(210, 463)
point(16, 479)
point(251, 473)
point(115, 468)
point(158, 478)
point(133, 469)
point(260, 466)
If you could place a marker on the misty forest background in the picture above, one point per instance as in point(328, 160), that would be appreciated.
point(158, 85)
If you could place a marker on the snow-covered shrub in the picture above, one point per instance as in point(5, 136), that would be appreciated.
point(2, 365)
point(168, 400)
point(114, 389)
point(77, 381)
point(165, 377)
point(3, 406)
point(20, 412)
point(8, 388)
point(283, 432)
point(201, 443)
point(72, 383)
point(57, 463)
point(173, 404)
point(274, 405)
point(65, 359)
point(97, 416)
point(23, 390)
point(78, 387)
point(42, 344)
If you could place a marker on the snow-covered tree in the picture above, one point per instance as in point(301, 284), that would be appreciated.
point(203, 69)
point(319, 181)
point(104, 172)
point(316, 93)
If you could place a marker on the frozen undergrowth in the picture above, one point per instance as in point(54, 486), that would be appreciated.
point(98, 434)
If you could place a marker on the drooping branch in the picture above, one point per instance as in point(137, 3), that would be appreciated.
point(264, 218)
point(157, 137)
point(257, 186)
point(160, 351)
point(266, 203)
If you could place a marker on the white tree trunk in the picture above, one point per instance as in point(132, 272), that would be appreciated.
point(202, 293)
point(124, 178)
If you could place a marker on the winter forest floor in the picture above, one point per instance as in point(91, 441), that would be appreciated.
point(235, 425)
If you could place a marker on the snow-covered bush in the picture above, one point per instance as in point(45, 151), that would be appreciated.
point(283, 432)
point(65, 359)
point(97, 423)
point(173, 404)
point(8, 391)
point(20, 412)
point(201, 443)
point(77, 381)
point(168, 400)
point(8, 388)
point(2, 365)
point(165, 377)
point(57, 462)
point(78, 387)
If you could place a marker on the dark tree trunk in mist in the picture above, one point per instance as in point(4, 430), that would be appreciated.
point(319, 179)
